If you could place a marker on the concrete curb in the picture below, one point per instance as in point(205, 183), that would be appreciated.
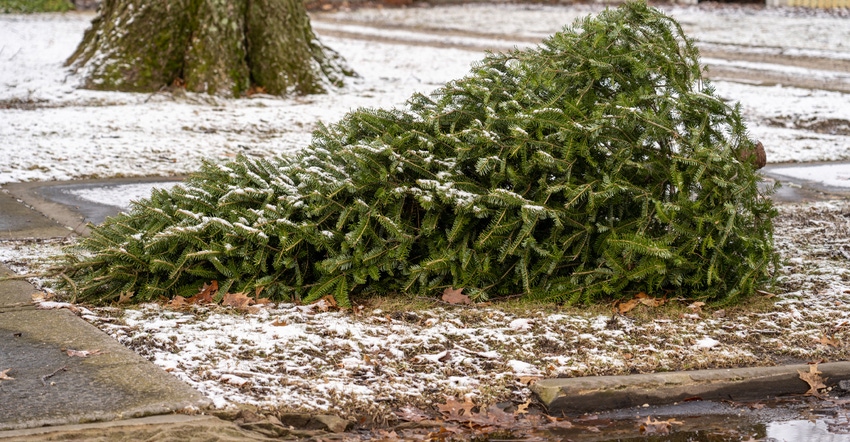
point(565, 396)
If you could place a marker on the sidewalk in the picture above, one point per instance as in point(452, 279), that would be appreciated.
point(47, 392)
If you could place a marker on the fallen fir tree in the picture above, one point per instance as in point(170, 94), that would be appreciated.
point(597, 166)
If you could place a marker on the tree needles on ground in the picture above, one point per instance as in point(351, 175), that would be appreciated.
point(598, 165)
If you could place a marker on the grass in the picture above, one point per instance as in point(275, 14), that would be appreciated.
point(32, 6)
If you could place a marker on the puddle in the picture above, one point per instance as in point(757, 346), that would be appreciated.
point(802, 182)
point(827, 175)
point(787, 419)
point(95, 201)
point(804, 430)
point(119, 196)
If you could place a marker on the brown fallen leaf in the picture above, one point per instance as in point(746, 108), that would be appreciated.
point(41, 297)
point(124, 298)
point(650, 427)
point(239, 301)
point(205, 294)
point(639, 299)
point(263, 301)
point(814, 379)
point(528, 380)
point(523, 408)
point(279, 323)
point(326, 303)
point(558, 422)
point(499, 417)
point(455, 296)
point(454, 409)
point(4, 376)
point(82, 353)
point(177, 302)
point(829, 340)
point(625, 307)
point(411, 414)
point(650, 301)
point(696, 307)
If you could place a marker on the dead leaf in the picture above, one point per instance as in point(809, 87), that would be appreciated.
point(657, 427)
point(326, 303)
point(411, 414)
point(178, 302)
point(696, 307)
point(528, 380)
point(523, 408)
point(649, 301)
point(384, 434)
point(829, 340)
point(256, 90)
point(814, 379)
point(453, 409)
point(455, 296)
point(625, 307)
point(239, 301)
point(499, 417)
point(82, 353)
point(444, 433)
point(41, 297)
point(4, 376)
point(279, 323)
point(205, 294)
point(125, 297)
point(639, 299)
point(558, 422)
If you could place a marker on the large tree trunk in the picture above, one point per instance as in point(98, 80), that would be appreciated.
point(223, 47)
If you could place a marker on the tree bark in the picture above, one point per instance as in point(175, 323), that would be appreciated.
point(221, 47)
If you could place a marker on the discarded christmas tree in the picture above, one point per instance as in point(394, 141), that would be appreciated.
point(597, 166)
point(219, 47)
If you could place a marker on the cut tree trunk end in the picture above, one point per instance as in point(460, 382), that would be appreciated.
point(220, 47)
point(757, 152)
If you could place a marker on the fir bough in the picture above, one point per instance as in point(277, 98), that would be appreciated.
point(598, 165)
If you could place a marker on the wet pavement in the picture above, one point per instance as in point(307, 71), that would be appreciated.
point(809, 181)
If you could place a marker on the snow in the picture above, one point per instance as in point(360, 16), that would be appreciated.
point(53, 131)
point(369, 358)
point(706, 343)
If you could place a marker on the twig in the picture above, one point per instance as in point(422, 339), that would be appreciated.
point(48, 376)
point(71, 283)
point(764, 293)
